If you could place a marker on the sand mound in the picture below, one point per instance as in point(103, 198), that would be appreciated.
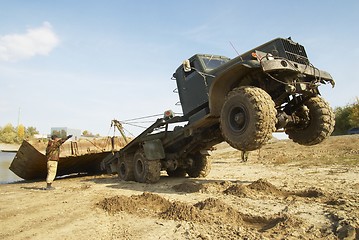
point(211, 211)
point(238, 190)
point(263, 223)
point(143, 204)
point(262, 185)
point(211, 204)
point(215, 187)
point(182, 211)
point(252, 190)
point(219, 212)
point(188, 187)
point(310, 193)
point(206, 187)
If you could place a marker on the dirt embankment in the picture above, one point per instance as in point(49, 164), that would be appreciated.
point(283, 191)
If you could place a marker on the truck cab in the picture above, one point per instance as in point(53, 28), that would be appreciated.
point(194, 79)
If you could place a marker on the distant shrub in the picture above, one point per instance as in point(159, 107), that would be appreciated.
point(346, 117)
point(10, 134)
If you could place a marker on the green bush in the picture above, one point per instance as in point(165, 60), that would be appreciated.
point(346, 117)
point(10, 134)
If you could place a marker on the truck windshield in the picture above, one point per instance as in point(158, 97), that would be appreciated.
point(213, 62)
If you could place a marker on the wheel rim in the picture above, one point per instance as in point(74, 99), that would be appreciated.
point(237, 118)
point(248, 118)
point(122, 169)
point(304, 118)
point(199, 165)
point(314, 124)
point(139, 167)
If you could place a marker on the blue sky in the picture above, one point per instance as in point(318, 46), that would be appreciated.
point(80, 64)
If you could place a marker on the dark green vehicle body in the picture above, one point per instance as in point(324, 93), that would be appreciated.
point(240, 100)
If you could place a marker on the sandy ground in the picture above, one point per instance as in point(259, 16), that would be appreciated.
point(283, 191)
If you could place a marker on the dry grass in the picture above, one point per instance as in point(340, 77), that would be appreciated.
point(336, 150)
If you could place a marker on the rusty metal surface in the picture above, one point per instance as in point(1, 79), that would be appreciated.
point(30, 164)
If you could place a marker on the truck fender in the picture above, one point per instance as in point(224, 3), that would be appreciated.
point(154, 149)
point(226, 81)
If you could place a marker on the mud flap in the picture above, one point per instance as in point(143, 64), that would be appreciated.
point(154, 149)
point(109, 164)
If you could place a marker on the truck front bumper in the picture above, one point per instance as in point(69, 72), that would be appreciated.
point(282, 65)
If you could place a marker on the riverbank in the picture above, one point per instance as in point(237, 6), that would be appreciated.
point(6, 175)
point(9, 147)
point(283, 191)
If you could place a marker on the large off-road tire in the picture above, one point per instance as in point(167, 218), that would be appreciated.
point(316, 122)
point(177, 173)
point(248, 118)
point(200, 165)
point(125, 169)
point(146, 171)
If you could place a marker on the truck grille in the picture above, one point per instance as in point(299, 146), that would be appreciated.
point(295, 52)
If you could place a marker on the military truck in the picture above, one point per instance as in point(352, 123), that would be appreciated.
point(241, 101)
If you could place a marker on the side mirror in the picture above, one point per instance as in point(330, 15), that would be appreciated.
point(186, 66)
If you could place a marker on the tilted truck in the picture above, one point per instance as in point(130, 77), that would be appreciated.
point(241, 101)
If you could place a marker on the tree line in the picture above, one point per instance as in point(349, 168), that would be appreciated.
point(346, 117)
point(11, 134)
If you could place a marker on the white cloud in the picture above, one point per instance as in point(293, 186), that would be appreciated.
point(36, 41)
